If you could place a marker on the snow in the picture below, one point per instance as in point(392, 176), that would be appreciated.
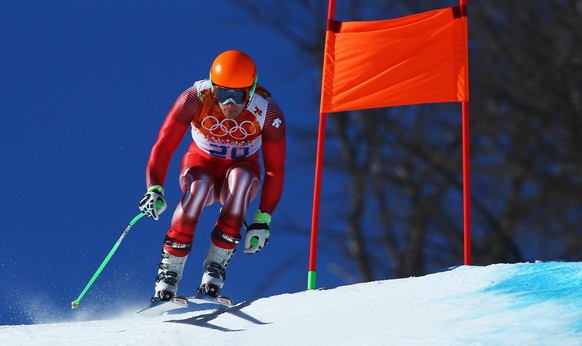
point(504, 304)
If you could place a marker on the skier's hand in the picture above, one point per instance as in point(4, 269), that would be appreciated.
point(257, 233)
point(153, 204)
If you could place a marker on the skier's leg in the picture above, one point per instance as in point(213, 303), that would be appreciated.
point(197, 185)
point(241, 185)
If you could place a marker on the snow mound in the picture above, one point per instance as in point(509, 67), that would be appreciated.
point(528, 303)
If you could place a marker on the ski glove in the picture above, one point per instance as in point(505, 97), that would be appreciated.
point(257, 233)
point(153, 204)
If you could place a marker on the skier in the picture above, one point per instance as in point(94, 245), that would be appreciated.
point(231, 117)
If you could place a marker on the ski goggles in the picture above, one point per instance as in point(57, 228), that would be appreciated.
point(236, 96)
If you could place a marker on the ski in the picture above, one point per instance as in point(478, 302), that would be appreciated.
point(205, 299)
point(179, 302)
point(160, 307)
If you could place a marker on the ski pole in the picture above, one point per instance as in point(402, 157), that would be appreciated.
point(75, 303)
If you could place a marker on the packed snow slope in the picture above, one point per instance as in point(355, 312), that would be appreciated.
point(517, 304)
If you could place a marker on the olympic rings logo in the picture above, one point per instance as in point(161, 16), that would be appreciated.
point(229, 127)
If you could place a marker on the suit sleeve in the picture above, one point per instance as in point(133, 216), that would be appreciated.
point(274, 153)
point(171, 133)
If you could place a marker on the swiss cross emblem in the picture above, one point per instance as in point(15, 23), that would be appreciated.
point(258, 111)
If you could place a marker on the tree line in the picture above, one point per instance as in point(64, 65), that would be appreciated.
point(402, 166)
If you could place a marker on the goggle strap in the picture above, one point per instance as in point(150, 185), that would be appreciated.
point(211, 84)
point(252, 91)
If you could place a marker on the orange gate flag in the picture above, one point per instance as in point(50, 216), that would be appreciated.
point(415, 59)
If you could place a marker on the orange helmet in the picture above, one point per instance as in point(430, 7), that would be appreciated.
point(233, 69)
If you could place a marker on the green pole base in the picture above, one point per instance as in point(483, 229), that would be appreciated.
point(311, 280)
point(74, 304)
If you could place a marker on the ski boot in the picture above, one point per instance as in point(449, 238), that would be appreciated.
point(215, 270)
point(169, 275)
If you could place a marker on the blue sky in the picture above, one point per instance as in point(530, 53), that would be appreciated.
point(85, 87)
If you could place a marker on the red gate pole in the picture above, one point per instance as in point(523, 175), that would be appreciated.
point(317, 183)
point(466, 171)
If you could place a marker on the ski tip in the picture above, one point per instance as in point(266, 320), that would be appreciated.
point(201, 298)
point(74, 304)
point(224, 300)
